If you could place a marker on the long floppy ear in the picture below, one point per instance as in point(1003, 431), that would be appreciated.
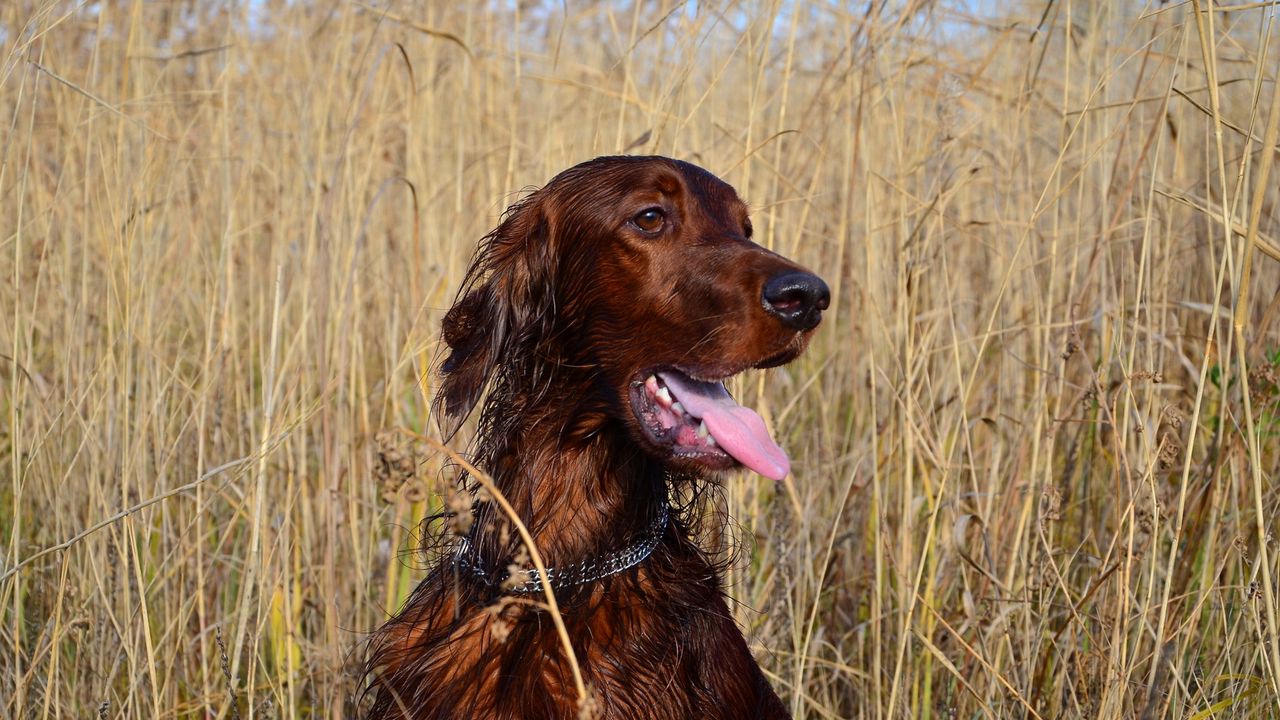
point(506, 292)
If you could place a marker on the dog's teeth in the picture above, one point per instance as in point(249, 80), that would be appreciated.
point(702, 430)
point(664, 396)
point(711, 441)
point(677, 408)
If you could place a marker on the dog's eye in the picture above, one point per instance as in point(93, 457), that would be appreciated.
point(650, 220)
point(747, 229)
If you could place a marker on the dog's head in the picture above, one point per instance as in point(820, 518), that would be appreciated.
point(639, 273)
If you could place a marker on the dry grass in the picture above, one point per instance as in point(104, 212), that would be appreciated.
point(1033, 442)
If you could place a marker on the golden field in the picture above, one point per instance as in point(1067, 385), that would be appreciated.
point(1033, 441)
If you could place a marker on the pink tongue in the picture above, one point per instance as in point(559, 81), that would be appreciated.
point(740, 431)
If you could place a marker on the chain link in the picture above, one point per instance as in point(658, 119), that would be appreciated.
point(468, 560)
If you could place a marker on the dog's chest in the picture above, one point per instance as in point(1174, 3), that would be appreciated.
point(658, 658)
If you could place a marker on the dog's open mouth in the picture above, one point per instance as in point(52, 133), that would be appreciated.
point(700, 421)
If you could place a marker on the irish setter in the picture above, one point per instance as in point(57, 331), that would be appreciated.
point(602, 316)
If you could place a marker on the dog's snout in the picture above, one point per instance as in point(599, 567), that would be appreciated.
point(797, 299)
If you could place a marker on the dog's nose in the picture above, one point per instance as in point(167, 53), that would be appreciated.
point(797, 298)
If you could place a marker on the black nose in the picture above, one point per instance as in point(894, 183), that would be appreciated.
point(797, 298)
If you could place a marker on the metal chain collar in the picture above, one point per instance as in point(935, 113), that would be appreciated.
point(468, 560)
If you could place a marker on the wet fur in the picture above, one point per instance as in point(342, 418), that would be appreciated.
point(563, 305)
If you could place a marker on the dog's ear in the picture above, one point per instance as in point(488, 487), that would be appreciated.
point(504, 300)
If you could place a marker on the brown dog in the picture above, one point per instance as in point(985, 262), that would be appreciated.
point(602, 315)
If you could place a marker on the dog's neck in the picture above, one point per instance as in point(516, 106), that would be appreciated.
point(577, 480)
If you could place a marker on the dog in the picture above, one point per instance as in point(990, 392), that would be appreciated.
point(602, 317)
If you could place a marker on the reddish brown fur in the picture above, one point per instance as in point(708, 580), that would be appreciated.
point(565, 305)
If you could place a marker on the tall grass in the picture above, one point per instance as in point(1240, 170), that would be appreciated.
point(1033, 441)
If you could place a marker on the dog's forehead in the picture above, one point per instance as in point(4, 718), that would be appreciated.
point(654, 176)
point(708, 187)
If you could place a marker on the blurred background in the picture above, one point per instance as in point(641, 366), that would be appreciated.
point(1033, 442)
